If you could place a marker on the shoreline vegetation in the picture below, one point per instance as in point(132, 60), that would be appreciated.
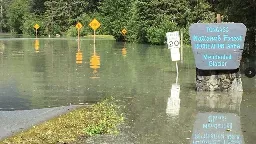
point(100, 118)
point(144, 21)
point(10, 35)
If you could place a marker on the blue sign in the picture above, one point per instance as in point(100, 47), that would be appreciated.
point(217, 46)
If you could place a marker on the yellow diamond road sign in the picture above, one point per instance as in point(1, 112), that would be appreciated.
point(36, 26)
point(124, 31)
point(94, 24)
point(79, 25)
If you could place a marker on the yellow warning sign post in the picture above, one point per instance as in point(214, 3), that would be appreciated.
point(94, 24)
point(124, 31)
point(78, 26)
point(36, 26)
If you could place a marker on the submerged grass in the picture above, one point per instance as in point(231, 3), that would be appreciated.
point(109, 37)
point(100, 118)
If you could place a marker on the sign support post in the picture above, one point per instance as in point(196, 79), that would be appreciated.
point(181, 45)
point(94, 24)
point(36, 26)
point(94, 37)
point(78, 26)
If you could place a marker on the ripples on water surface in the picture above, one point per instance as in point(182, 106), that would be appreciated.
point(37, 73)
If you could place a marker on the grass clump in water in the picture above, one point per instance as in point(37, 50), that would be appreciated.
point(104, 119)
point(100, 118)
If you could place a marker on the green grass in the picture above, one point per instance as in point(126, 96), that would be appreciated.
point(101, 37)
point(100, 118)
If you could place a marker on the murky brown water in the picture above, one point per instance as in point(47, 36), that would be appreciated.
point(55, 72)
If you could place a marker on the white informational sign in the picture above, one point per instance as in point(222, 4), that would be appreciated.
point(175, 54)
point(173, 42)
point(173, 102)
point(173, 39)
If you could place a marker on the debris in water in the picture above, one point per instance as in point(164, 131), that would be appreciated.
point(228, 129)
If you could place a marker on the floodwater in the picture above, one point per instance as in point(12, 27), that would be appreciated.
point(160, 105)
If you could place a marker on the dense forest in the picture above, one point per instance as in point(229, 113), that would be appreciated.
point(146, 21)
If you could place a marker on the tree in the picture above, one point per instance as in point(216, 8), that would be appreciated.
point(241, 11)
point(116, 16)
point(15, 13)
point(3, 18)
point(61, 14)
point(150, 17)
point(37, 7)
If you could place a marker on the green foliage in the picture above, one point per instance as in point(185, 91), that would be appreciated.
point(157, 34)
point(15, 13)
point(146, 21)
point(3, 18)
point(241, 11)
point(37, 7)
point(72, 31)
point(104, 118)
point(85, 19)
point(116, 15)
point(61, 14)
point(30, 21)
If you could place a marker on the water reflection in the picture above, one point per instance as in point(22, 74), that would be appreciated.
point(124, 51)
point(229, 101)
point(36, 45)
point(2, 47)
point(95, 63)
point(79, 57)
point(173, 102)
point(79, 54)
point(218, 119)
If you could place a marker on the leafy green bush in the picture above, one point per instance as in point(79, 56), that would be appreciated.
point(72, 31)
point(85, 20)
point(29, 22)
point(157, 33)
point(104, 118)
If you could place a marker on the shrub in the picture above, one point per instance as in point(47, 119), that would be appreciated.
point(29, 22)
point(157, 34)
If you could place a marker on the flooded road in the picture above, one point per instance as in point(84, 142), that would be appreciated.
point(40, 73)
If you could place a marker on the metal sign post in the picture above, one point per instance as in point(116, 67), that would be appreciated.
point(36, 26)
point(94, 24)
point(78, 26)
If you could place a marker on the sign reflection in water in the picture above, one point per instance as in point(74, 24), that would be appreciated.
point(36, 45)
point(124, 51)
point(95, 63)
point(2, 47)
point(218, 119)
point(79, 54)
point(173, 102)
